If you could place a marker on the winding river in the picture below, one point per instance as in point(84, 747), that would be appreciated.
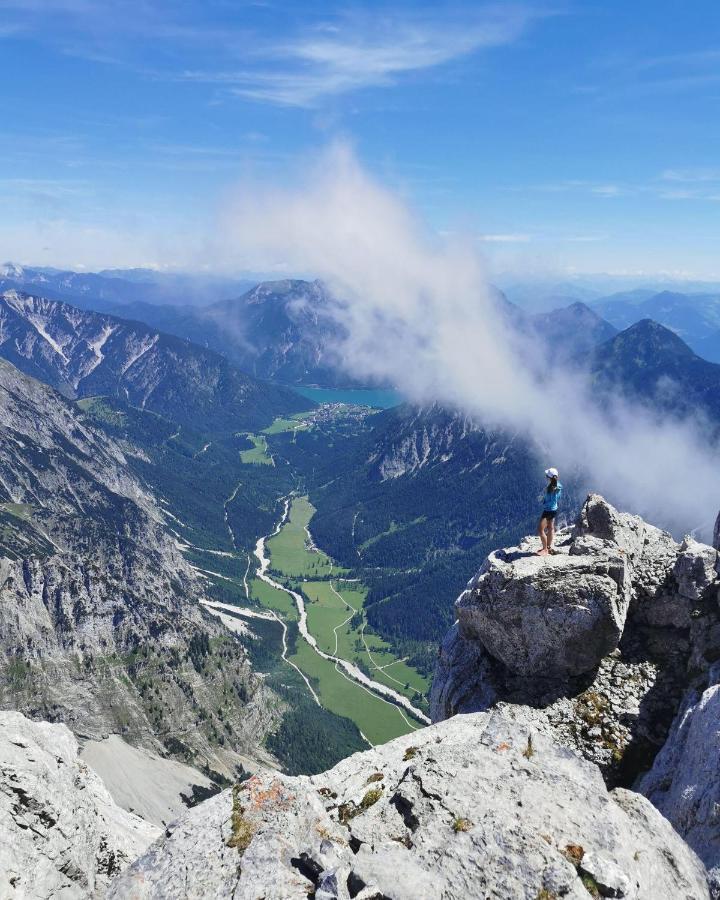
point(349, 669)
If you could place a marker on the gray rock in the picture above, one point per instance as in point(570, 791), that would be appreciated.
point(607, 875)
point(695, 568)
point(62, 834)
point(618, 714)
point(556, 615)
point(684, 782)
point(599, 519)
point(716, 533)
point(482, 805)
point(463, 679)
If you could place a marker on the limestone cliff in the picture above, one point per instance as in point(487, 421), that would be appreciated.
point(100, 625)
point(62, 834)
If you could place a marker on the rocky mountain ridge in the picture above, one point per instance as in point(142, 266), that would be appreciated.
point(83, 353)
point(63, 836)
point(280, 330)
point(100, 621)
point(482, 806)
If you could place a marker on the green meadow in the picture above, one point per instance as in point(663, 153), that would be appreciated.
point(335, 607)
point(258, 455)
point(290, 555)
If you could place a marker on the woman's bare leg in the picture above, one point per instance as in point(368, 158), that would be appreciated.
point(550, 534)
point(543, 539)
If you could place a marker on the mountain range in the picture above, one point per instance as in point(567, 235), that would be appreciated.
point(126, 504)
point(693, 317)
point(279, 330)
point(649, 363)
point(417, 498)
point(104, 290)
point(84, 353)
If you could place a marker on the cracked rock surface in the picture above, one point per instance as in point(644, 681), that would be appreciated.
point(616, 709)
point(684, 782)
point(63, 836)
point(484, 805)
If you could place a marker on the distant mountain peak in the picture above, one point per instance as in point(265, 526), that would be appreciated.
point(11, 270)
point(656, 337)
point(279, 290)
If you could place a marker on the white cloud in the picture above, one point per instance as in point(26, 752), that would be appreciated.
point(512, 238)
point(690, 175)
point(419, 314)
point(368, 51)
point(607, 190)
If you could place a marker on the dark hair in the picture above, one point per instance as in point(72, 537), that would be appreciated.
point(552, 487)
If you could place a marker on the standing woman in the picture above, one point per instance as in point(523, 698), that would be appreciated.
point(546, 528)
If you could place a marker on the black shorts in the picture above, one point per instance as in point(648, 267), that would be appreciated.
point(549, 514)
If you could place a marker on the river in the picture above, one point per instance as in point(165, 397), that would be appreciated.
point(349, 668)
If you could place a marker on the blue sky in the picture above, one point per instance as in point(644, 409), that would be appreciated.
point(563, 136)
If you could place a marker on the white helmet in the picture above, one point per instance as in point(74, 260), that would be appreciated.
point(551, 473)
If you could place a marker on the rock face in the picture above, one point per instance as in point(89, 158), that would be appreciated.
point(62, 834)
point(483, 805)
point(684, 782)
point(604, 638)
point(644, 610)
point(573, 608)
point(100, 625)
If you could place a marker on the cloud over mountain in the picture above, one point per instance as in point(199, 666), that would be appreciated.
point(419, 314)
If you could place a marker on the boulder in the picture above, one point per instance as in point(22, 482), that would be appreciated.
point(62, 834)
point(695, 568)
point(684, 782)
point(482, 805)
point(548, 616)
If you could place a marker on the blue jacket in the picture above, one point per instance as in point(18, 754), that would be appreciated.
point(550, 501)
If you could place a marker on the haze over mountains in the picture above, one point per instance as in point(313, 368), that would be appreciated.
point(283, 330)
point(105, 289)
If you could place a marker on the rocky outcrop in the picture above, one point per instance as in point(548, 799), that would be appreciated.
point(602, 644)
point(684, 782)
point(62, 834)
point(604, 637)
point(573, 608)
point(484, 805)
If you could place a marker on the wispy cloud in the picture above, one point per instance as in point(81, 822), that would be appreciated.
point(365, 51)
point(324, 57)
point(511, 238)
point(637, 75)
point(685, 184)
point(690, 175)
